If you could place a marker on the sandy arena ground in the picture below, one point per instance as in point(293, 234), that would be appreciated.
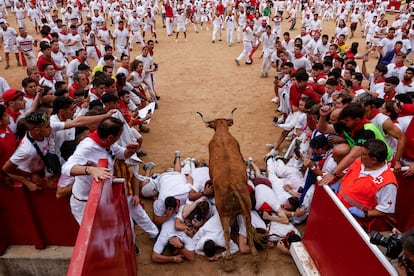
point(198, 75)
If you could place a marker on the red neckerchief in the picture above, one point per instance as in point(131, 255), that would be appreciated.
point(299, 56)
point(359, 126)
point(24, 36)
point(379, 80)
point(126, 67)
point(354, 90)
point(321, 76)
point(265, 207)
point(390, 96)
point(398, 65)
point(13, 114)
point(406, 83)
point(287, 40)
point(94, 136)
point(104, 28)
point(121, 29)
point(374, 112)
point(151, 52)
point(340, 43)
point(98, 96)
point(28, 96)
point(64, 33)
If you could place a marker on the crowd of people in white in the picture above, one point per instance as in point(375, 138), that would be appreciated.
point(324, 107)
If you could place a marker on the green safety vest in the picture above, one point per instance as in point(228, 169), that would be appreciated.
point(369, 126)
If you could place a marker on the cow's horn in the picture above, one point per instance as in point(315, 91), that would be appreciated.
point(202, 118)
point(231, 113)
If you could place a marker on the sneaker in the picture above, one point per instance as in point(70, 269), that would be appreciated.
point(271, 146)
point(275, 100)
point(249, 161)
point(272, 153)
point(141, 153)
point(237, 62)
point(149, 166)
point(137, 250)
point(177, 154)
point(144, 129)
point(212, 41)
point(203, 163)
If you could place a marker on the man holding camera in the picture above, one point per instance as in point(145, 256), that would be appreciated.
point(406, 261)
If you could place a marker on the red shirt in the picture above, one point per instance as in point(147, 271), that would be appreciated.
point(42, 61)
point(296, 94)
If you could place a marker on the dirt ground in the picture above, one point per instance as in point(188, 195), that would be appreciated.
point(199, 75)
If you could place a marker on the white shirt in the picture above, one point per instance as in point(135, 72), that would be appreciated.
point(9, 36)
point(88, 152)
point(26, 157)
point(212, 230)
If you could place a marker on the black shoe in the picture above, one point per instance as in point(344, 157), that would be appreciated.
point(156, 106)
point(157, 97)
point(141, 153)
point(249, 63)
point(137, 250)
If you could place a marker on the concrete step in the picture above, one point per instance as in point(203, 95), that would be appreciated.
point(25, 260)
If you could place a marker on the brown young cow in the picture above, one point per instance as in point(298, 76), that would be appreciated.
point(228, 174)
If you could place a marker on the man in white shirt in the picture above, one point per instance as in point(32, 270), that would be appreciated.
point(8, 39)
point(121, 38)
point(25, 45)
point(248, 37)
point(83, 163)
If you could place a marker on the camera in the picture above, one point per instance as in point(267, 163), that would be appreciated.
point(393, 244)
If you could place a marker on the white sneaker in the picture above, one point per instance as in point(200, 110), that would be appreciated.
point(275, 100)
point(270, 146)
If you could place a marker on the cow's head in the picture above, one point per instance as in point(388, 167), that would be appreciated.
point(214, 123)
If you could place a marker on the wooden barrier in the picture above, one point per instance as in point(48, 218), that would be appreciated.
point(336, 243)
point(404, 209)
point(34, 218)
point(105, 245)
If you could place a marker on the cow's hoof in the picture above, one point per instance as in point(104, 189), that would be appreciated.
point(228, 265)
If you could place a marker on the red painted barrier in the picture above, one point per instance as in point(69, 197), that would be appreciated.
point(105, 245)
point(34, 218)
point(404, 209)
point(337, 243)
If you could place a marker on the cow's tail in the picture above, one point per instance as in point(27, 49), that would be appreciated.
point(259, 237)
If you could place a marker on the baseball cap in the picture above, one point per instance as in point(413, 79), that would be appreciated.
point(11, 95)
point(2, 21)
